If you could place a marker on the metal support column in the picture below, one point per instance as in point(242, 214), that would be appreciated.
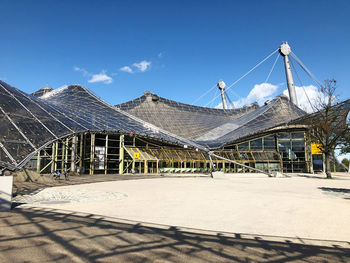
point(133, 165)
point(146, 167)
point(106, 154)
point(53, 157)
point(121, 154)
point(92, 154)
point(56, 156)
point(81, 151)
point(73, 154)
point(65, 167)
point(38, 162)
point(63, 151)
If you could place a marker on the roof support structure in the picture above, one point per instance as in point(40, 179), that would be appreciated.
point(285, 51)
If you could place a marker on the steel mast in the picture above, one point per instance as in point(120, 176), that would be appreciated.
point(285, 51)
point(221, 85)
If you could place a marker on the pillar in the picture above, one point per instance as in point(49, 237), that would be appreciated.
point(121, 154)
point(106, 154)
point(82, 151)
point(92, 154)
point(38, 163)
point(73, 154)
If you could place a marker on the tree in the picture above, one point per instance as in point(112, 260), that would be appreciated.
point(328, 124)
point(345, 162)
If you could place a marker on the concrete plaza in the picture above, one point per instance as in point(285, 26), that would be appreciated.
point(296, 207)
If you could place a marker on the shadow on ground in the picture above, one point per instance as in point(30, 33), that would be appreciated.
point(46, 235)
point(337, 190)
point(340, 192)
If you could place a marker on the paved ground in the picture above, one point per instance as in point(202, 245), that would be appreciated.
point(293, 207)
point(254, 219)
point(21, 188)
point(46, 235)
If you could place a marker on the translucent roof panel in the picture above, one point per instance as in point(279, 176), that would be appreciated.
point(185, 120)
point(81, 104)
point(29, 123)
point(276, 112)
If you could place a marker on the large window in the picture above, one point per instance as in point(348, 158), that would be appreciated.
point(270, 143)
point(243, 146)
point(256, 145)
point(292, 149)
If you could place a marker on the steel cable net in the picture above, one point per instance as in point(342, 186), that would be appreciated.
point(185, 120)
point(276, 112)
point(211, 127)
point(29, 123)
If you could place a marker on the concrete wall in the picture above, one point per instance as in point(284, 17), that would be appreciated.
point(6, 183)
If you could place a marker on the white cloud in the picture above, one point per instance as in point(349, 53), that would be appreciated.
point(312, 92)
point(127, 69)
point(260, 93)
point(142, 66)
point(139, 67)
point(85, 73)
point(101, 77)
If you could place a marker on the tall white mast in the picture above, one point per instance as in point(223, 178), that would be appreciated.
point(221, 85)
point(285, 51)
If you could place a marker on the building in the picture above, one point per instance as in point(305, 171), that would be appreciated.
point(73, 129)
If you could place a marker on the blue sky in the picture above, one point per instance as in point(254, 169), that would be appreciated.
point(177, 49)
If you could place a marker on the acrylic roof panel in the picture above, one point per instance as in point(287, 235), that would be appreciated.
point(341, 109)
point(274, 113)
point(26, 123)
point(185, 120)
point(29, 123)
point(81, 104)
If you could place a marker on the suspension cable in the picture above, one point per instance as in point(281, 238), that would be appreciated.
point(216, 92)
point(229, 99)
point(234, 83)
point(306, 69)
point(273, 66)
point(203, 94)
point(296, 73)
point(234, 94)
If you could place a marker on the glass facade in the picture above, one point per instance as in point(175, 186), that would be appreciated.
point(288, 147)
point(291, 146)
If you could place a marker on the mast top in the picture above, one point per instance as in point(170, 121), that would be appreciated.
point(284, 49)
